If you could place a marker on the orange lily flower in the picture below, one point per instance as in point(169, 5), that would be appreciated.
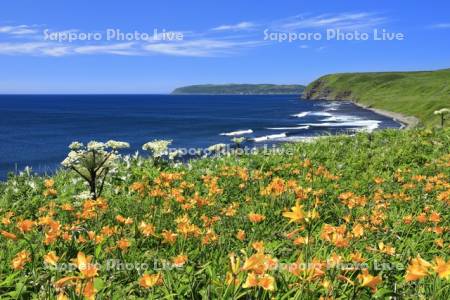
point(417, 269)
point(51, 258)
point(150, 280)
point(369, 280)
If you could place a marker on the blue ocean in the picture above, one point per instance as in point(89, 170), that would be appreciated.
point(35, 130)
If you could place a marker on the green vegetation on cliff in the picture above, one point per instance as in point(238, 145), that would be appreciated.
point(240, 89)
point(416, 94)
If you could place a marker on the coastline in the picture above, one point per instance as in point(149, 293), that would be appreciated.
point(408, 122)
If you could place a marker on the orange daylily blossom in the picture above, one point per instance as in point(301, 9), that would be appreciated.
point(408, 219)
point(422, 218)
point(49, 183)
point(123, 220)
point(334, 260)
point(417, 269)
point(123, 244)
point(65, 281)
point(258, 246)
point(435, 217)
point(209, 237)
point(138, 187)
point(265, 281)
point(256, 218)
point(179, 261)
point(147, 229)
point(89, 290)
point(62, 296)
point(358, 230)
point(25, 225)
point(84, 265)
point(369, 280)
point(357, 257)
point(8, 235)
point(50, 192)
point(169, 237)
point(442, 268)
point(296, 215)
point(6, 220)
point(302, 240)
point(20, 260)
point(67, 207)
point(259, 263)
point(108, 231)
point(439, 243)
point(378, 180)
point(51, 258)
point(240, 235)
point(150, 280)
point(386, 249)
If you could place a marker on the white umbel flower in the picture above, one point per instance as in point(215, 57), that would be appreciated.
point(442, 111)
point(95, 146)
point(217, 147)
point(75, 145)
point(117, 144)
point(157, 147)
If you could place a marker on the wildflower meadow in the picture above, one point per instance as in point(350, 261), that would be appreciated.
point(362, 217)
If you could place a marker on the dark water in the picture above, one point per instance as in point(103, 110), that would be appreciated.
point(36, 130)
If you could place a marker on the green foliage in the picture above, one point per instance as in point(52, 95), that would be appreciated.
point(145, 192)
point(416, 94)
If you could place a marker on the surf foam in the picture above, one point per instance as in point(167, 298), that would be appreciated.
point(236, 133)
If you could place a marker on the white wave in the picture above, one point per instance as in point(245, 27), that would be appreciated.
point(301, 115)
point(341, 118)
point(289, 128)
point(331, 105)
point(269, 137)
point(236, 133)
point(321, 114)
point(367, 125)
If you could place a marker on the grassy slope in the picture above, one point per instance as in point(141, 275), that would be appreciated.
point(395, 156)
point(410, 93)
point(240, 89)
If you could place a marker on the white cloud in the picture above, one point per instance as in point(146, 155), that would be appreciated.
point(21, 48)
point(440, 26)
point(34, 48)
point(18, 30)
point(199, 48)
point(235, 27)
point(344, 21)
point(117, 49)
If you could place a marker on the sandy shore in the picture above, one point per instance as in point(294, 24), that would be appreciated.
point(408, 122)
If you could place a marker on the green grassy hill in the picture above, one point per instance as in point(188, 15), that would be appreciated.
point(240, 89)
point(411, 93)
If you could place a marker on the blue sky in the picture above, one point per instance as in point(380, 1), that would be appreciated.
point(222, 42)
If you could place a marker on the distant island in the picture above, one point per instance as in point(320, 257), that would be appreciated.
point(416, 94)
point(240, 89)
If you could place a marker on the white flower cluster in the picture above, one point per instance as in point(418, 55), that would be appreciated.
point(116, 145)
point(442, 111)
point(80, 152)
point(158, 148)
point(216, 147)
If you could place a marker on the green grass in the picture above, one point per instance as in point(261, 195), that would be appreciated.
point(416, 94)
point(393, 175)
